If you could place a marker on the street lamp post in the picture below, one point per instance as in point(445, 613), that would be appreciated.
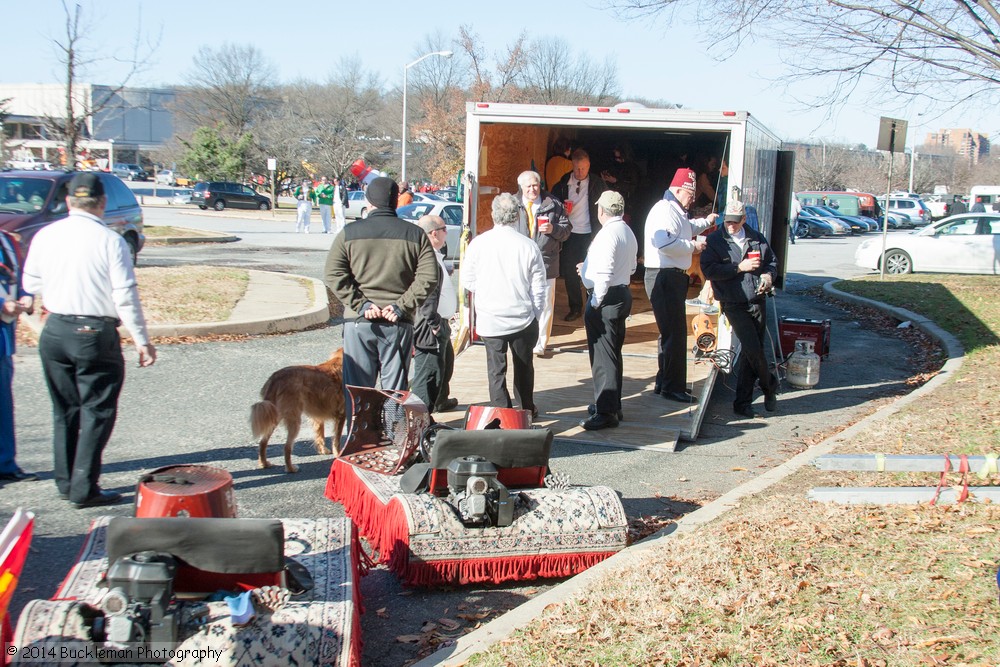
point(444, 54)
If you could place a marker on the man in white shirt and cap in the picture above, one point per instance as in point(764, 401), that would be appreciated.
point(434, 357)
point(669, 245)
point(610, 263)
point(505, 271)
point(83, 270)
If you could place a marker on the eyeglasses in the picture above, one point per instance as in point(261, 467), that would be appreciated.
point(439, 229)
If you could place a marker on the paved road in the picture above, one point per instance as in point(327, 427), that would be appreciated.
point(191, 407)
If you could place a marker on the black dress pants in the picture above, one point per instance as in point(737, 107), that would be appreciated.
point(749, 322)
point(521, 345)
point(573, 252)
point(667, 289)
point(84, 370)
point(605, 336)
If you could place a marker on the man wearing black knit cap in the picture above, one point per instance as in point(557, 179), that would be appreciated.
point(381, 268)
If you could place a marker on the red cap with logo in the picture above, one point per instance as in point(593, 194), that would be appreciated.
point(684, 179)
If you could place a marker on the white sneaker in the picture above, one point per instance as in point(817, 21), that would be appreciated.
point(695, 303)
point(710, 309)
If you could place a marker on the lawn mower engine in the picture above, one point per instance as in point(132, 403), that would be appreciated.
point(478, 495)
point(139, 606)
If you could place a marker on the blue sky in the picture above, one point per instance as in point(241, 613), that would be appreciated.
point(305, 40)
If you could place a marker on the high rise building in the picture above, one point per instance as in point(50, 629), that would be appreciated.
point(973, 146)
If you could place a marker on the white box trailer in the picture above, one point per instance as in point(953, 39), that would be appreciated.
point(502, 140)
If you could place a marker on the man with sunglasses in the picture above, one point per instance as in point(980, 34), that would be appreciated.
point(579, 193)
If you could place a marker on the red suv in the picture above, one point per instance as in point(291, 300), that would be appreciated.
point(29, 200)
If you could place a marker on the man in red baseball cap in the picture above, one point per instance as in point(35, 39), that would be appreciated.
point(668, 248)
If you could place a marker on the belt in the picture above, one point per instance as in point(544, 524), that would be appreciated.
point(667, 268)
point(101, 318)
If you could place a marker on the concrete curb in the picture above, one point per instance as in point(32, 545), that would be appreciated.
point(176, 240)
point(317, 313)
point(519, 617)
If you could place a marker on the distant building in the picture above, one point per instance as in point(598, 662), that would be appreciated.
point(129, 121)
point(973, 146)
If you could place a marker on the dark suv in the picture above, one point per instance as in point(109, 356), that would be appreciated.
point(29, 200)
point(220, 194)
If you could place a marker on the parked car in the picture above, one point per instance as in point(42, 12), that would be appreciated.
point(447, 194)
point(172, 178)
point(357, 205)
point(813, 227)
point(965, 243)
point(130, 172)
point(840, 226)
point(181, 196)
point(30, 200)
point(220, 194)
point(858, 224)
point(912, 210)
point(449, 211)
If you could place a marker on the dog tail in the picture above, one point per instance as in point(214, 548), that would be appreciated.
point(263, 418)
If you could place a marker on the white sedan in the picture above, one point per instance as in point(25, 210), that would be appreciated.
point(965, 243)
point(448, 210)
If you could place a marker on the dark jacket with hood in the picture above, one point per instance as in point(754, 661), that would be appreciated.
point(720, 260)
point(381, 260)
point(549, 244)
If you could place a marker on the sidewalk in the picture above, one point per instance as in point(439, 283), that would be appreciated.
point(273, 303)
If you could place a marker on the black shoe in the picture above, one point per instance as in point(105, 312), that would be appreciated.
point(592, 410)
point(446, 405)
point(101, 498)
point(572, 315)
point(18, 476)
point(679, 396)
point(770, 401)
point(599, 421)
point(745, 411)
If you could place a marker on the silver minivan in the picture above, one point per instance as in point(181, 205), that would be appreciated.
point(911, 210)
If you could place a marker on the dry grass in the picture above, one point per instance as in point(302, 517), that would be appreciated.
point(153, 233)
point(181, 295)
point(784, 581)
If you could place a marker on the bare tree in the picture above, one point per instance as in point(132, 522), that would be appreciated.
point(946, 51)
point(76, 56)
point(325, 127)
point(555, 74)
point(231, 86)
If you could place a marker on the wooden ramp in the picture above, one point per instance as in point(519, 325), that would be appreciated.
point(564, 387)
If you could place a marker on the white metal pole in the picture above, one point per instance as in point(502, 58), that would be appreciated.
point(403, 169)
point(913, 158)
point(885, 224)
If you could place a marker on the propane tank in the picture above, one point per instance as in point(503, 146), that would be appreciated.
point(704, 333)
point(363, 172)
point(803, 365)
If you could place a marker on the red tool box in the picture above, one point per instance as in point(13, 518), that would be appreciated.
point(791, 329)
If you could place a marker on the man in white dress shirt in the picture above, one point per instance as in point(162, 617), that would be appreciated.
point(84, 272)
point(505, 271)
point(610, 263)
point(669, 245)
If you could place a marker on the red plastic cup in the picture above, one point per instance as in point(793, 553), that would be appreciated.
point(568, 205)
point(542, 220)
point(753, 254)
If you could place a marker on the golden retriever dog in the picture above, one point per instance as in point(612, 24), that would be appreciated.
point(316, 391)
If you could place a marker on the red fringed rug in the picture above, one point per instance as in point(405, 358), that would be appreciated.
point(555, 533)
point(322, 627)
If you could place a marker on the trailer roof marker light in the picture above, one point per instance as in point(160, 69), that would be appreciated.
point(482, 105)
point(623, 110)
point(728, 113)
point(583, 108)
point(603, 109)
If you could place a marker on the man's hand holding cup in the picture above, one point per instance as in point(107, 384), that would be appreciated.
point(544, 226)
